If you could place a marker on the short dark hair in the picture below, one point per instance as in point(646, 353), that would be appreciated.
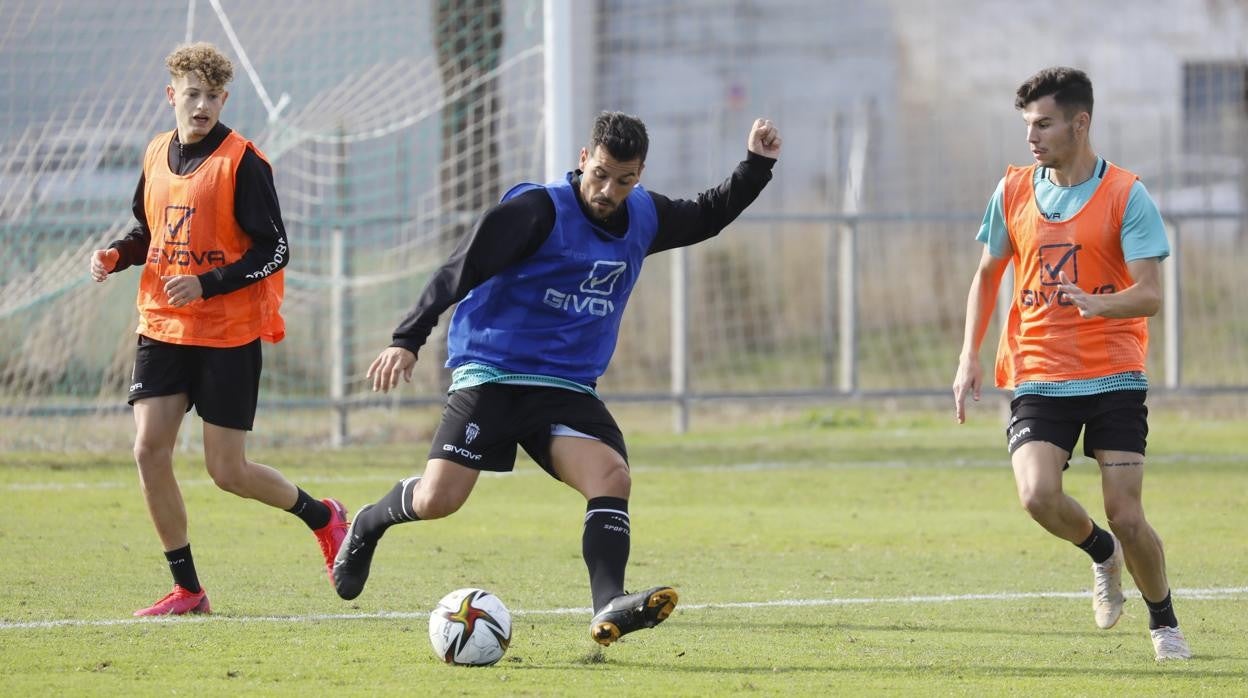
point(1070, 87)
point(623, 136)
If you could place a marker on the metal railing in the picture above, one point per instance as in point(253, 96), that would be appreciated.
point(840, 327)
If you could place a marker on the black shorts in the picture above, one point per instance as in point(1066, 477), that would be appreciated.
point(482, 425)
point(222, 383)
point(1114, 421)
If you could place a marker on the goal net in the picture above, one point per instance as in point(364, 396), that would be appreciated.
point(390, 127)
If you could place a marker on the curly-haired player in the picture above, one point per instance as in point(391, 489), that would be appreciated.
point(212, 245)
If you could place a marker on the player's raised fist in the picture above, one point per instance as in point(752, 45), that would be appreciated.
point(764, 139)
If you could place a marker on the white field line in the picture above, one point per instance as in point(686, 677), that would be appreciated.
point(1180, 594)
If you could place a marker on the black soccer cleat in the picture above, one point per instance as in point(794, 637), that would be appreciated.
point(353, 560)
point(630, 612)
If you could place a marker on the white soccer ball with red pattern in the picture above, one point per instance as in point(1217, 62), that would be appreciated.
point(470, 627)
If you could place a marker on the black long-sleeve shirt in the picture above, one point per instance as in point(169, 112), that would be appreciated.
point(517, 228)
point(255, 208)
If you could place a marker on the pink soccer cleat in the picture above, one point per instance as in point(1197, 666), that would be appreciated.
point(331, 535)
point(178, 602)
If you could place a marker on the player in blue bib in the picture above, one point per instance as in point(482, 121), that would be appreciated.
point(541, 285)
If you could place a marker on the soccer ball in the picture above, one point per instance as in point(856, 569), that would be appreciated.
point(470, 627)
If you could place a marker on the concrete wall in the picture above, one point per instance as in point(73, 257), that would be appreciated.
point(700, 72)
point(939, 75)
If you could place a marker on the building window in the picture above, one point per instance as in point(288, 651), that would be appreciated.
point(1215, 104)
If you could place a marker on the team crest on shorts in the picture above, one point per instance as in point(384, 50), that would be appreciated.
point(470, 432)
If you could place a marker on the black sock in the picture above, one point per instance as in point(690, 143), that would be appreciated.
point(1161, 613)
point(313, 511)
point(183, 568)
point(1099, 545)
point(394, 508)
point(605, 546)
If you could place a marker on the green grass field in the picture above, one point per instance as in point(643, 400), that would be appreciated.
point(831, 552)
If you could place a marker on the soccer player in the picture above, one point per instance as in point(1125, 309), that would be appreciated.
point(541, 284)
point(1087, 244)
point(212, 244)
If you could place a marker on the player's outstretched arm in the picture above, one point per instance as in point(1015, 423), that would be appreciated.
point(683, 222)
point(389, 365)
point(505, 235)
point(764, 139)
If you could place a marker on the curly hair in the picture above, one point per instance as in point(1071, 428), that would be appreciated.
point(204, 60)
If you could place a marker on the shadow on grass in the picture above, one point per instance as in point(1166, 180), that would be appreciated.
point(1188, 670)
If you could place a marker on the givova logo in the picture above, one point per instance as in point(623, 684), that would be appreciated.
point(177, 251)
point(178, 224)
point(452, 448)
point(600, 282)
point(602, 278)
point(1054, 259)
point(1016, 435)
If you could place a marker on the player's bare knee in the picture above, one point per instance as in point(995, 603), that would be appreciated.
point(435, 509)
point(1030, 497)
point(229, 477)
point(617, 480)
point(229, 482)
point(1040, 504)
point(603, 478)
point(1126, 522)
point(152, 457)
